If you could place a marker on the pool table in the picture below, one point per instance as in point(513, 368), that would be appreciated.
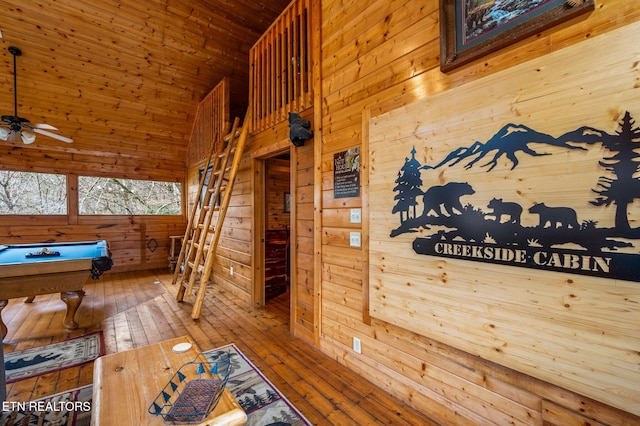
point(27, 270)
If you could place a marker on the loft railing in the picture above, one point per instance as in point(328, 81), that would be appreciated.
point(211, 122)
point(280, 67)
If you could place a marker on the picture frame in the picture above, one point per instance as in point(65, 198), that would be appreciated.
point(466, 35)
point(287, 202)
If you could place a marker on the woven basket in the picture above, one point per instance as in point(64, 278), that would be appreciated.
point(193, 392)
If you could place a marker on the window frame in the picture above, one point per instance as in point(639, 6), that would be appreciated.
point(73, 217)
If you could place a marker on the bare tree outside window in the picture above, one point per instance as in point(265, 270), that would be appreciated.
point(27, 193)
point(113, 196)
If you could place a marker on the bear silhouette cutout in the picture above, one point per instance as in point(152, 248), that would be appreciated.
point(556, 217)
point(501, 208)
point(443, 199)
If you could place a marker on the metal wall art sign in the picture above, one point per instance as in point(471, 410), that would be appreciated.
point(557, 238)
point(509, 203)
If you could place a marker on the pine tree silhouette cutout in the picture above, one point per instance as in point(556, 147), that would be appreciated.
point(408, 188)
point(622, 188)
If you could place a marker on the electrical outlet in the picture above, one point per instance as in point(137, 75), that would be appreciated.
point(354, 239)
point(356, 345)
point(356, 215)
point(231, 270)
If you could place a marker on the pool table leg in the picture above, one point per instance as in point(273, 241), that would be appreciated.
point(73, 300)
point(3, 303)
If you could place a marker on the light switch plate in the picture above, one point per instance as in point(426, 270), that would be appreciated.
point(354, 239)
point(356, 215)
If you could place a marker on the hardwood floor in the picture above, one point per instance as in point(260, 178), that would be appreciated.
point(138, 308)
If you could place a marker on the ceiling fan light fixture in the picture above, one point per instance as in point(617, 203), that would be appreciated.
point(27, 137)
point(12, 125)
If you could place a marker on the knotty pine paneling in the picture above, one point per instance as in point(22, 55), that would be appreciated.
point(126, 77)
point(303, 260)
point(380, 56)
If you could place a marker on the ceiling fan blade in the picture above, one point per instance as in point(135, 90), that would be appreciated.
point(52, 135)
point(43, 126)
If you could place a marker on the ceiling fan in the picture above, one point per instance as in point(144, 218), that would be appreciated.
point(14, 124)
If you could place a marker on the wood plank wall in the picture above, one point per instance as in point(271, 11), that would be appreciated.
point(303, 238)
point(380, 55)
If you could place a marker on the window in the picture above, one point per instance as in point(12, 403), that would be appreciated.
point(112, 196)
point(27, 193)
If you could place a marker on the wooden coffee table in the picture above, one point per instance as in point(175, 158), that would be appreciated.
point(126, 383)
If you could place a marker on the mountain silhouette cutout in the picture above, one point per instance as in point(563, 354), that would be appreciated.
point(512, 139)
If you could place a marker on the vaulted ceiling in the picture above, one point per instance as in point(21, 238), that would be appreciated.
point(122, 76)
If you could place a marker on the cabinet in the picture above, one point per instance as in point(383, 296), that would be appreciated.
point(276, 262)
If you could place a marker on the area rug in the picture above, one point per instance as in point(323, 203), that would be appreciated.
point(258, 397)
point(264, 404)
point(70, 408)
point(20, 365)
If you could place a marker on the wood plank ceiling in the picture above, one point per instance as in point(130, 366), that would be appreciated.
point(125, 76)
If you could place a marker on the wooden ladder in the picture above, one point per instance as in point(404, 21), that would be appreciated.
point(200, 242)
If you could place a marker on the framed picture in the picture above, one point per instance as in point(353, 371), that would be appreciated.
point(287, 202)
point(470, 29)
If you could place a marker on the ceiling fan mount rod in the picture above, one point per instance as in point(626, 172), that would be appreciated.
point(15, 52)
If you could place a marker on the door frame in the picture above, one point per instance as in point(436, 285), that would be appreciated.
point(258, 168)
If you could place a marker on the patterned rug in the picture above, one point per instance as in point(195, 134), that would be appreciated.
point(264, 404)
point(259, 398)
point(20, 365)
point(70, 408)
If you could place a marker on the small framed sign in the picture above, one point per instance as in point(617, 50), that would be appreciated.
point(346, 174)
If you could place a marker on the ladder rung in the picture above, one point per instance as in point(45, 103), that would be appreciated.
point(215, 209)
point(228, 136)
point(199, 268)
